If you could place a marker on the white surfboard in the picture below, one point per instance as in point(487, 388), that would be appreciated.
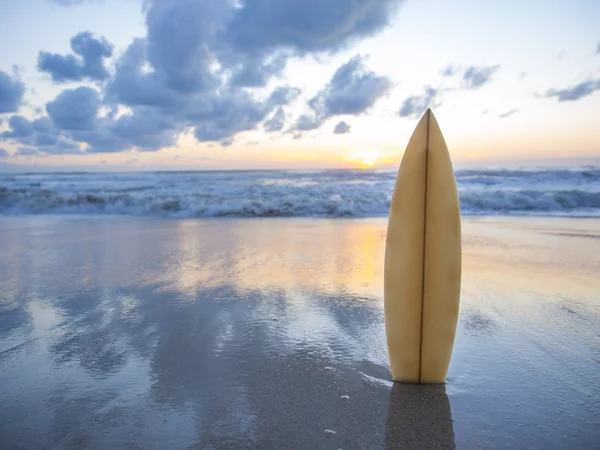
point(423, 260)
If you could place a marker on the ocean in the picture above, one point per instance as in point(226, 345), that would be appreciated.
point(568, 192)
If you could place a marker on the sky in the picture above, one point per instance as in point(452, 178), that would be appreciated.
point(261, 84)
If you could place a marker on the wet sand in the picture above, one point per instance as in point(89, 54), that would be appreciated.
point(268, 333)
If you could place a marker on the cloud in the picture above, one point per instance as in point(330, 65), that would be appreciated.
point(69, 2)
point(276, 122)
point(415, 106)
point(341, 128)
point(471, 78)
point(508, 113)
point(3, 153)
point(197, 68)
point(306, 25)
point(226, 115)
point(226, 142)
point(598, 48)
point(262, 29)
point(475, 77)
point(88, 64)
point(21, 128)
point(75, 109)
point(41, 134)
point(576, 92)
point(352, 91)
point(213, 110)
point(284, 95)
point(522, 75)
point(258, 75)
point(27, 151)
point(450, 70)
point(11, 93)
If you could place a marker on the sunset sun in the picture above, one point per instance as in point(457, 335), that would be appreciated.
point(366, 158)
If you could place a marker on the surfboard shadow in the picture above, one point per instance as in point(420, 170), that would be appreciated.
point(419, 416)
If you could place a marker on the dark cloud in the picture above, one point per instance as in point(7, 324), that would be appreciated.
point(181, 35)
point(45, 139)
point(132, 86)
point(27, 151)
point(576, 92)
point(341, 128)
point(21, 129)
point(352, 91)
point(258, 75)
point(3, 153)
point(86, 64)
point(415, 106)
point(305, 26)
point(146, 129)
point(522, 75)
point(226, 115)
point(476, 77)
point(69, 2)
point(101, 140)
point(508, 113)
point(62, 147)
point(276, 122)
point(284, 95)
point(41, 134)
point(11, 93)
point(179, 104)
point(75, 109)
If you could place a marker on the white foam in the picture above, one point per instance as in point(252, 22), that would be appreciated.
point(342, 193)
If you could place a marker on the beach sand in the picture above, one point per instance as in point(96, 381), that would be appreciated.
point(120, 332)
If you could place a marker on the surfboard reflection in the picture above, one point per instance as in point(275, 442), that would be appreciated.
point(419, 416)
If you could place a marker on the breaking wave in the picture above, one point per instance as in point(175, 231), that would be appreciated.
point(340, 193)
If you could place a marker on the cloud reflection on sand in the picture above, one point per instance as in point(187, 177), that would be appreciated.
point(266, 333)
point(135, 318)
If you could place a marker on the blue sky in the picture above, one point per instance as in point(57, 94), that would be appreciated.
point(160, 84)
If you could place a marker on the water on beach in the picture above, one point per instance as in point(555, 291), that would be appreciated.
point(121, 332)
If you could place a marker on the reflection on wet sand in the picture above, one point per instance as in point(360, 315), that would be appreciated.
point(262, 254)
point(265, 333)
point(164, 333)
point(419, 417)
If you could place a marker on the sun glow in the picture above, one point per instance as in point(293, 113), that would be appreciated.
point(366, 158)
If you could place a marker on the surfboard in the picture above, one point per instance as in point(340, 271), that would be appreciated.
point(423, 254)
